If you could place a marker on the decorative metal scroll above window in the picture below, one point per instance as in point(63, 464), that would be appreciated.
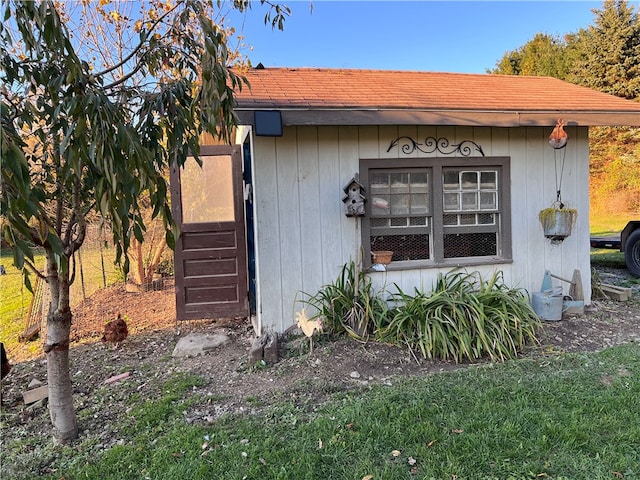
point(432, 144)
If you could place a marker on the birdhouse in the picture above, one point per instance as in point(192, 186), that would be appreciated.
point(354, 198)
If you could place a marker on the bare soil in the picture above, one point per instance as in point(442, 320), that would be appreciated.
point(232, 384)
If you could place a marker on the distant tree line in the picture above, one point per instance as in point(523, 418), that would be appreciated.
point(604, 56)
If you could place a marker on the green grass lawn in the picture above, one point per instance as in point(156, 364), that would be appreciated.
point(14, 307)
point(568, 416)
point(607, 258)
point(15, 300)
point(605, 225)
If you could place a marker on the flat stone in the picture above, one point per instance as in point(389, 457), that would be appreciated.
point(31, 396)
point(34, 384)
point(198, 344)
point(39, 404)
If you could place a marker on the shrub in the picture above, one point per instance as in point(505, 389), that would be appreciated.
point(349, 304)
point(463, 317)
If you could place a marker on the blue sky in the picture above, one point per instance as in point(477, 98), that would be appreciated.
point(450, 36)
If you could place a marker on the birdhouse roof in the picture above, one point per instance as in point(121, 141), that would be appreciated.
point(320, 96)
point(353, 181)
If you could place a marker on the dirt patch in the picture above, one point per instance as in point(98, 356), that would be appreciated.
point(232, 385)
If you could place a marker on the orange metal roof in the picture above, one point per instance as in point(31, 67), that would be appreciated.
point(346, 96)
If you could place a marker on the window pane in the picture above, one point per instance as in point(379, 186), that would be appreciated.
point(399, 204)
point(399, 182)
point(488, 201)
point(451, 202)
point(398, 222)
point(468, 219)
point(419, 203)
point(450, 219)
point(420, 197)
point(470, 201)
point(207, 192)
point(486, 219)
point(489, 180)
point(418, 221)
point(404, 247)
point(380, 205)
point(450, 180)
point(380, 182)
point(470, 245)
point(420, 179)
point(469, 180)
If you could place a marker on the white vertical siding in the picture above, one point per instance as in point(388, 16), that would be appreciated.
point(304, 238)
point(265, 184)
point(309, 213)
point(330, 192)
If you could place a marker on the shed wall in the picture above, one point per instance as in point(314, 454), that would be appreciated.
point(304, 238)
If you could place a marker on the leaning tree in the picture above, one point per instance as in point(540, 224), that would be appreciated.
point(77, 143)
point(106, 32)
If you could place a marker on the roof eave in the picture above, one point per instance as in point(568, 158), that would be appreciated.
point(487, 118)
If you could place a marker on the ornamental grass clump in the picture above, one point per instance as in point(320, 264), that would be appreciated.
point(463, 317)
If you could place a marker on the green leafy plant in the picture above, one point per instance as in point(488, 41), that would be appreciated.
point(463, 316)
point(349, 304)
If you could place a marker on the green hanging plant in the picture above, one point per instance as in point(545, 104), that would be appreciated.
point(557, 221)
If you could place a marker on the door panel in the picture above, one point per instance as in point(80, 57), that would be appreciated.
point(210, 256)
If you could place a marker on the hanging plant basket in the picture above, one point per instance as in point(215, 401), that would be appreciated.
point(557, 222)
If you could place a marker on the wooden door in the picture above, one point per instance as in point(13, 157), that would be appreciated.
point(210, 255)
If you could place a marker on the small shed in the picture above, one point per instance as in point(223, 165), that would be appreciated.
point(454, 170)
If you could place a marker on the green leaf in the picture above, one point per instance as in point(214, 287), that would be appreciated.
point(137, 231)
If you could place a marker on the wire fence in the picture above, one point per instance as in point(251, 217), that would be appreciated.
point(95, 267)
point(23, 312)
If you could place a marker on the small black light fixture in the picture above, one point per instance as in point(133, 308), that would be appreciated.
point(268, 123)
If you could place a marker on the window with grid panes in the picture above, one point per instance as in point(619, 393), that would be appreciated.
point(437, 211)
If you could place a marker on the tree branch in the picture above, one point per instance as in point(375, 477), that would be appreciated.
point(33, 268)
point(140, 45)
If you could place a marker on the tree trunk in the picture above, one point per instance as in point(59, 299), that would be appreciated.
point(61, 409)
point(138, 260)
point(142, 274)
point(156, 259)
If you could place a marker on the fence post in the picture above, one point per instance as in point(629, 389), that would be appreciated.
point(84, 293)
